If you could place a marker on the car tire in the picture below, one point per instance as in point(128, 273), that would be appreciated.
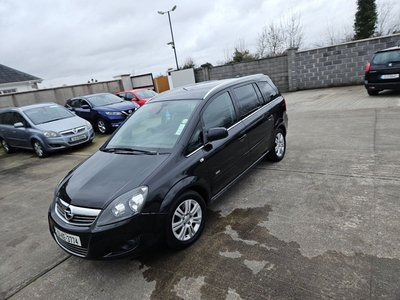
point(38, 147)
point(279, 147)
point(7, 148)
point(186, 220)
point(102, 127)
point(372, 92)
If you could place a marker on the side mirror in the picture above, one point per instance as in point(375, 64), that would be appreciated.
point(85, 106)
point(19, 125)
point(217, 133)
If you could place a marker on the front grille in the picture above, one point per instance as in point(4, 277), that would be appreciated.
point(128, 112)
point(73, 249)
point(73, 131)
point(75, 215)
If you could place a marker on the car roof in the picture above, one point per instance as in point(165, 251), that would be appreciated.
point(90, 95)
point(389, 49)
point(135, 90)
point(26, 107)
point(205, 89)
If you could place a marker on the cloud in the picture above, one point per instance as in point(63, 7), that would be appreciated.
point(71, 41)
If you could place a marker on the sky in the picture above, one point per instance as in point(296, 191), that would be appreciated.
point(68, 42)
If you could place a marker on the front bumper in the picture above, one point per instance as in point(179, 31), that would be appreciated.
point(64, 142)
point(123, 239)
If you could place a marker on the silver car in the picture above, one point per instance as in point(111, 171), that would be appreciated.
point(44, 127)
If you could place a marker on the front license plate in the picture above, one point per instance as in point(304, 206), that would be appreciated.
point(78, 138)
point(69, 238)
point(390, 76)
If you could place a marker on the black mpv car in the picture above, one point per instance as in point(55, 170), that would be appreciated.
point(383, 71)
point(156, 174)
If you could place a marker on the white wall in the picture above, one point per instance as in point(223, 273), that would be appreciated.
point(181, 77)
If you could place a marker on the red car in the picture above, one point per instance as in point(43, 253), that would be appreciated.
point(140, 96)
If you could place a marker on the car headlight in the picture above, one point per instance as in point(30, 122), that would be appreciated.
point(124, 206)
point(49, 133)
point(88, 125)
point(113, 113)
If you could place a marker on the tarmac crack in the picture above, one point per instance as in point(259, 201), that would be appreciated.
point(36, 277)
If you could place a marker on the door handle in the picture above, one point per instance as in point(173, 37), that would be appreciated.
point(241, 139)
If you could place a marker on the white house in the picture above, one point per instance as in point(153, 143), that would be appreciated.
point(12, 81)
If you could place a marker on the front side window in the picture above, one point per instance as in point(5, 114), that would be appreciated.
point(74, 103)
point(154, 126)
point(219, 113)
point(19, 118)
point(247, 99)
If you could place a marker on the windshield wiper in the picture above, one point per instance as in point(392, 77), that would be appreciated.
point(128, 150)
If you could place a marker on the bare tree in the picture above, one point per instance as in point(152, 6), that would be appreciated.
point(280, 35)
point(388, 19)
point(335, 34)
point(189, 63)
point(293, 29)
point(270, 41)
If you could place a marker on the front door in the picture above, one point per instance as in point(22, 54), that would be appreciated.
point(226, 159)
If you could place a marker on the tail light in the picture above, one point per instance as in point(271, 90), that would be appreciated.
point(368, 67)
point(284, 101)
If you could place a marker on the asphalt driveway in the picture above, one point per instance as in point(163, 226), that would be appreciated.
point(321, 224)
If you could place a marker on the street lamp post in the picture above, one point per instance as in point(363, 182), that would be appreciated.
point(172, 34)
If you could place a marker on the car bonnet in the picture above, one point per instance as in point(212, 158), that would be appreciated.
point(63, 124)
point(105, 176)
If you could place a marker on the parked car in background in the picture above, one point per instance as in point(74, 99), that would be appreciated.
point(104, 110)
point(383, 71)
point(155, 176)
point(140, 96)
point(44, 127)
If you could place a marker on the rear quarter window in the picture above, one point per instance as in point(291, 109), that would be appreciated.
point(269, 92)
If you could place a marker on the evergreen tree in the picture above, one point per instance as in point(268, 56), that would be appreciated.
point(365, 19)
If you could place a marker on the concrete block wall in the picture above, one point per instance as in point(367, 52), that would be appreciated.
point(336, 65)
point(276, 68)
point(58, 95)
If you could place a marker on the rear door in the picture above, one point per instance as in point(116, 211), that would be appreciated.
point(7, 126)
point(257, 118)
point(227, 158)
point(21, 134)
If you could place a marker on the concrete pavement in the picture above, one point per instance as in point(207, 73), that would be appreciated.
point(321, 224)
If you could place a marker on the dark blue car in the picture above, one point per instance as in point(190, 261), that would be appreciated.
point(105, 111)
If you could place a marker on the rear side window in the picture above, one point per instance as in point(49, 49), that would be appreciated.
point(7, 118)
point(220, 112)
point(269, 92)
point(247, 98)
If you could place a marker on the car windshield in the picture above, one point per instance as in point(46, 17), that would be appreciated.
point(384, 58)
point(45, 114)
point(104, 99)
point(146, 94)
point(153, 127)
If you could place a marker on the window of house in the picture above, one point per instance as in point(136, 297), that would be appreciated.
point(8, 91)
